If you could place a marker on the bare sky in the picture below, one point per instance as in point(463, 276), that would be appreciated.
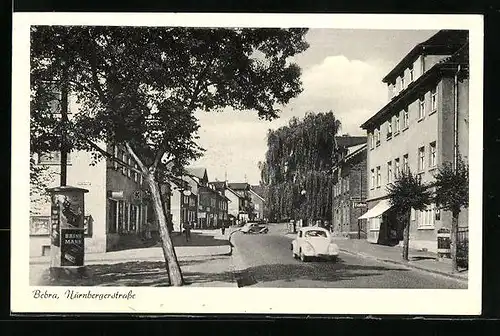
point(342, 71)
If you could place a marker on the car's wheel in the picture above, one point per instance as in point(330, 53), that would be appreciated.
point(303, 257)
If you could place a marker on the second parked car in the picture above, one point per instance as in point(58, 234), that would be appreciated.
point(253, 227)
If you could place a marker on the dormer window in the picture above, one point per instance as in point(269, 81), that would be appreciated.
point(402, 82)
point(411, 74)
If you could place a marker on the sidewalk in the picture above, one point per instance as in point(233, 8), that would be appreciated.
point(205, 261)
point(203, 243)
point(425, 261)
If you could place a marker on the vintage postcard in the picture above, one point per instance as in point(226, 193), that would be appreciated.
point(244, 163)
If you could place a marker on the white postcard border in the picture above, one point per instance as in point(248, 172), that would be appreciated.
point(242, 300)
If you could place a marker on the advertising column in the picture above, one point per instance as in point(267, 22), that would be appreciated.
point(67, 229)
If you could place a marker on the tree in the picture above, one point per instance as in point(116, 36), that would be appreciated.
point(452, 194)
point(140, 87)
point(299, 157)
point(405, 193)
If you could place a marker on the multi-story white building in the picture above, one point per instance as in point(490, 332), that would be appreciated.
point(116, 206)
point(428, 104)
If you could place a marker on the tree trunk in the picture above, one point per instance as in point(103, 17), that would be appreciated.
point(454, 241)
point(173, 268)
point(406, 237)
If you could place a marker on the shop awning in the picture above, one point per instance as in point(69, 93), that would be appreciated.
point(377, 210)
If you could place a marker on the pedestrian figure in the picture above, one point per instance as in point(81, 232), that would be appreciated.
point(223, 228)
point(187, 231)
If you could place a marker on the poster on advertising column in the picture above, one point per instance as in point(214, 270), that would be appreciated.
point(72, 247)
point(54, 220)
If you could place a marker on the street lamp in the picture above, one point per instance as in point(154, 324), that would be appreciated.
point(302, 199)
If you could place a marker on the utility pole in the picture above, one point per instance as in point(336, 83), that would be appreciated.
point(64, 123)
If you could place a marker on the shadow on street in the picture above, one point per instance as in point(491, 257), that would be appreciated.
point(315, 271)
point(138, 274)
point(197, 239)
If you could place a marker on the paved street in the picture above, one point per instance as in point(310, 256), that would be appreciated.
point(266, 261)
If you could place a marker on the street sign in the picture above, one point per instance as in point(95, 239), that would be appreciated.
point(359, 204)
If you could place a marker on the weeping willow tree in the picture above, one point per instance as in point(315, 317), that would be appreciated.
point(297, 169)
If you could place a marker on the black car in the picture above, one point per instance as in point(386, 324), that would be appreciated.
point(254, 227)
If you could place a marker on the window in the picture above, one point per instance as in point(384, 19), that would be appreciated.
point(411, 74)
point(186, 200)
point(402, 82)
point(396, 124)
point(129, 171)
point(389, 171)
point(116, 155)
point(426, 218)
point(421, 159)
point(371, 140)
point(432, 154)
point(421, 108)
point(124, 159)
point(434, 100)
point(373, 178)
point(377, 137)
point(396, 168)
point(405, 163)
point(121, 216)
point(406, 118)
point(113, 213)
point(315, 233)
point(136, 174)
point(389, 129)
point(378, 177)
point(375, 223)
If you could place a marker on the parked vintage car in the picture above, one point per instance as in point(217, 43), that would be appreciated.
point(314, 242)
point(253, 227)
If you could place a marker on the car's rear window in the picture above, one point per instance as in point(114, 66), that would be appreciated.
point(315, 233)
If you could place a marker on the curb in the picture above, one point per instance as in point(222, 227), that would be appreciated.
point(406, 264)
point(151, 258)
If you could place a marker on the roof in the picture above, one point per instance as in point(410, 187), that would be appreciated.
point(442, 43)
point(353, 149)
point(259, 190)
point(234, 192)
point(239, 186)
point(253, 192)
point(414, 88)
point(218, 184)
point(348, 140)
point(200, 172)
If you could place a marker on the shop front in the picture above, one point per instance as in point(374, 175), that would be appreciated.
point(382, 224)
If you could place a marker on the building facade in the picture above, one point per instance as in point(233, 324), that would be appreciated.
point(116, 207)
point(258, 201)
point(244, 200)
point(428, 105)
point(185, 198)
point(349, 193)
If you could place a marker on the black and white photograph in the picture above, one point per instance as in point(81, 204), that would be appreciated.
point(248, 162)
